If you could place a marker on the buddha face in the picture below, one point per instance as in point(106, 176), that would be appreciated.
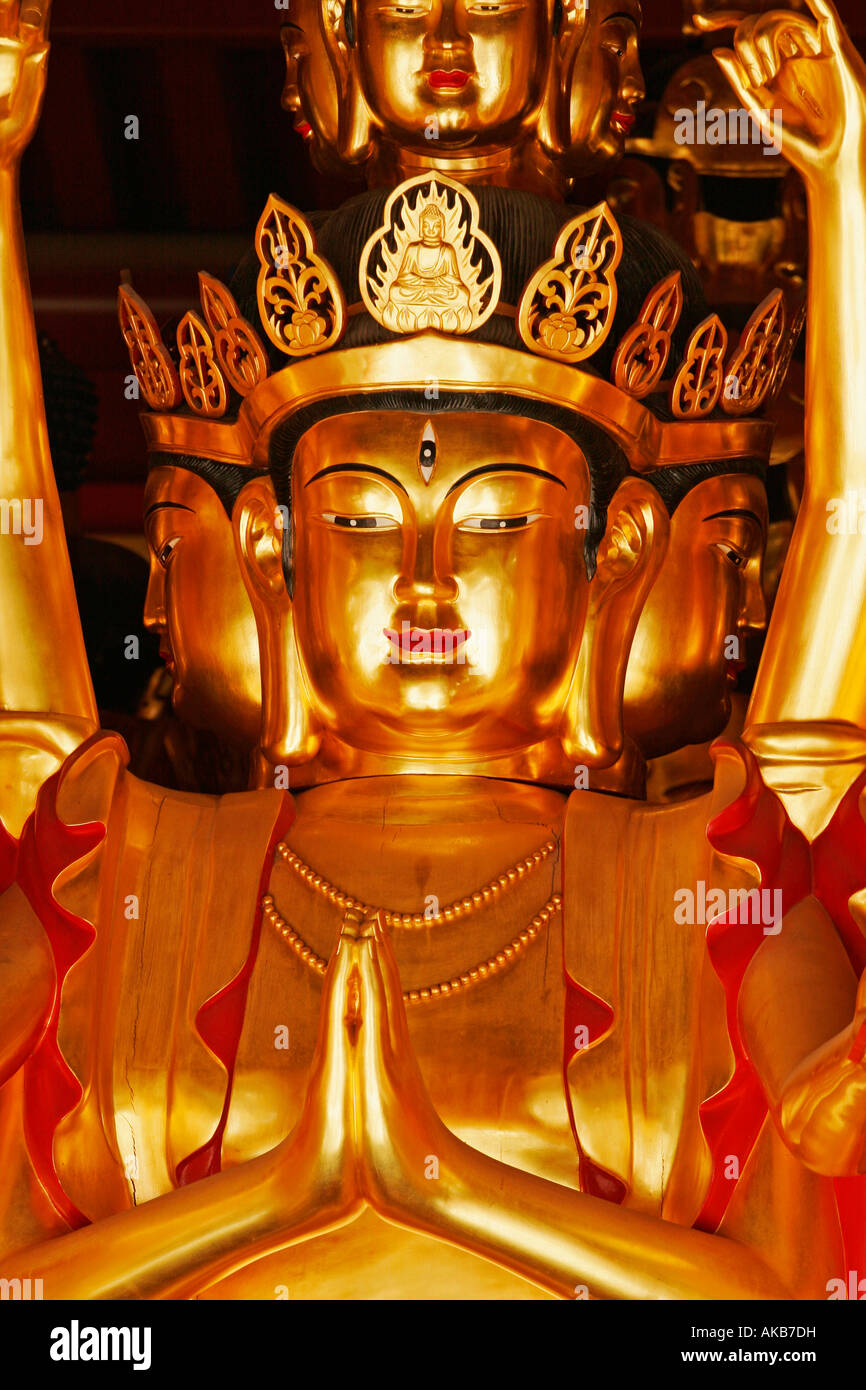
point(440, 589)
point(452, 73)
point(197, 603)
point(310, 89)
point(684, 663)
point(432, 226)
point(603, 87)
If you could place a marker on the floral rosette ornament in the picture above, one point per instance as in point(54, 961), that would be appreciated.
point(300, 298)
point(567, 309)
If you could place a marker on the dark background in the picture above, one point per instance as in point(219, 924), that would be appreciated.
point(204, 79)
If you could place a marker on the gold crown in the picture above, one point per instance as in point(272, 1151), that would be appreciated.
point(431, 277)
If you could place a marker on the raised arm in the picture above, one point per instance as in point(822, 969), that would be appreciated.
point(46, 700)
point(813, 665)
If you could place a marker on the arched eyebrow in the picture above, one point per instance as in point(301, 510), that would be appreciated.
point(736, 511)
point(623, 14)
point(356, 468)
point(505, 468)
point(161, 507)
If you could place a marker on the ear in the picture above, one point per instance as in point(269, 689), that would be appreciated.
point(629, 559)
point(355, 144)
point(289, 731)
point(258, 527)
point(553, 117)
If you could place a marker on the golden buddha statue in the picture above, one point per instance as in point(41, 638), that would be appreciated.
point(235, 1026)
point(526, 94)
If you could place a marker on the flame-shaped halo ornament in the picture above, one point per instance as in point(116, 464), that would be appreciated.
point(238, 349)
point(300, 299)
point(429, 266)
point(752, 367)
point(641, 358)
point(201, 380)
point(698, 383)
point(566, 310)
point(148, 354)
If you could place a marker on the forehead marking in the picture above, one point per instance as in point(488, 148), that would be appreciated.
point(427, 451)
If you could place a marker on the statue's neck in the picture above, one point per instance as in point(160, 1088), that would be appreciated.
point(520, 165)
point(541, 764)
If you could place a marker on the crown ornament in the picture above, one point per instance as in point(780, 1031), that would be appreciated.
point(429, 266)
point(239, 352)
point(567, 309)
point(431, 277)
point(300, 299)
point(640, 360)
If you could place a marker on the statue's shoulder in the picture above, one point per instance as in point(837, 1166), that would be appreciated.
point(623, 861)
point(93, 813)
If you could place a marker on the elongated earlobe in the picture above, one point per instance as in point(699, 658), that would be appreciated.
point(290, 733)
point(568, 25)
point(629, 560)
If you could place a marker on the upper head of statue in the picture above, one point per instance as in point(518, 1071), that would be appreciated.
point(435, 603)
point(453, 80)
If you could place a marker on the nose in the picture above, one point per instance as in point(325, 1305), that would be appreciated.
point(633, 89)
point(154, 601)
point(753, 613)
point(426, 581)
point(449, 28)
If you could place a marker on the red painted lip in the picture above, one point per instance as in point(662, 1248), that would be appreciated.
point(622, 121)
point(304, 129)
point(454, 79)
point(167, 658)
point(427, 639)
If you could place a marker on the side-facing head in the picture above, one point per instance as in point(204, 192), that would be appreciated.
point(690, 643)
point(310, 90)
point(196, 600)
point(594, 85)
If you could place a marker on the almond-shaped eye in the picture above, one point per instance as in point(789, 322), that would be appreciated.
point(165, 551)
point(499, 523)
point(494, 7)
point(360, 523)
point(734, 556)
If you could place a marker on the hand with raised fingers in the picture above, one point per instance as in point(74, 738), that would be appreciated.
point(23, 62)
point(810, 72)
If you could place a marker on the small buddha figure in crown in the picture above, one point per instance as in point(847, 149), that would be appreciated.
point(427, 291)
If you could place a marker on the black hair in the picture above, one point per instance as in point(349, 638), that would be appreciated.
point(226, 479)
point(349, 22)
point(607, 463)
point(673, 484)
